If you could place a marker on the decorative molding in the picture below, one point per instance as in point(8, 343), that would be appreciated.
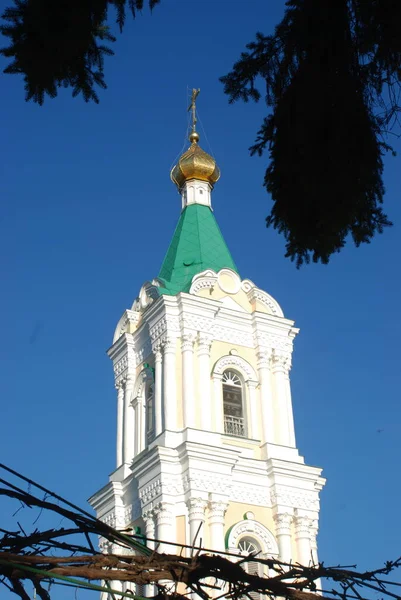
point(263, 297)
point(237, 362)
point(130, 317)
point(204, 481)
point(235, 281)
point(133, 511)
point(150, 492)
point(249, 494)
point(143, 378)
point(294, 498)
point(255, 529)
point(203, 284)
point(232, 336)
point(195, 322)
point(268, 342)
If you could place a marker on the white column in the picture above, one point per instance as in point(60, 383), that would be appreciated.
point(150, 527)
point(135, 403)
point(188, 388)
point(142, 420)
point(139, 410)
point(302, 538)
point(129, 423)
point(165, 527)
point(313, 531)
point(266, 397)
point(158, 391)
point(150, 532)
point(253, 422)
point(279, 363)
point(169, 385)
point(217, 510)
point(196, 519)
point(120, 420)
point(283, 535)
point(290, 414)
point(204, 344)
point(218, 402)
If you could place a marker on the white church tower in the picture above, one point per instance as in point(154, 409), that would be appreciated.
point(205, 431)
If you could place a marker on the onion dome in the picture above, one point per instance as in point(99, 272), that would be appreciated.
point(195, 163)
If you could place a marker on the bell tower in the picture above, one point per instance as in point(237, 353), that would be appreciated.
point(205, 431)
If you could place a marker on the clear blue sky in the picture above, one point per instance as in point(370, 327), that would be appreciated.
point(87, 213)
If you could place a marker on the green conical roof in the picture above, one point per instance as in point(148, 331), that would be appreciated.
point(197, 245)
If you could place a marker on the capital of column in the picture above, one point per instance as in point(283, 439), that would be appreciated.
point(264, 358)
point(281, 363)
point(163, 513)
point(196, 509)
point(128, 383)
point(217, 511)
point(187, 342)
point(169, 345)
point(313, 531)
point(148, 515)
point(156, 347)
point(302, 525)
point(204, 344)
point(283, 523)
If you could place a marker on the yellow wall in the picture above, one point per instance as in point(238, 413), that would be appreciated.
point(236, 511)
point(181, 530)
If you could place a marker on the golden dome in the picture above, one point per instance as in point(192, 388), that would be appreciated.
point(195, 163)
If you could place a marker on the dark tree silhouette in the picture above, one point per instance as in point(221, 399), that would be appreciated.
point(54, 44)
point(331, 73)
point(68, 556)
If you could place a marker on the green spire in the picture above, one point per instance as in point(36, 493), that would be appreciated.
point(197, 245)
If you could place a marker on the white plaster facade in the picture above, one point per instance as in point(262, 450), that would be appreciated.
point(180, 473)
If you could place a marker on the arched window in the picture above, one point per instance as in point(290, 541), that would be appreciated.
point(248, 545)
point(150, 412)
point(233, 404)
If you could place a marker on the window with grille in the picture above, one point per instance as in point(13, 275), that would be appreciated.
point(246, 546)
point(150, 412)
point(233, 404)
